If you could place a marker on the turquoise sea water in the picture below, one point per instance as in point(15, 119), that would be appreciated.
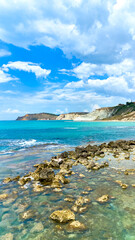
point(22, 144)
point(15, 135)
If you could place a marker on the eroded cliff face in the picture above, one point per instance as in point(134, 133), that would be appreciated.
point(121, 112)
point(70, 116)
point(98, 114)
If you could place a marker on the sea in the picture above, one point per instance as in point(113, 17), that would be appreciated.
point(25, 143)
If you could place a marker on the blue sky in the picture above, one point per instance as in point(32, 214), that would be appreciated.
point(64, 56)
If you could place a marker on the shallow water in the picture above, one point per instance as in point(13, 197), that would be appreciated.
point(114, 219)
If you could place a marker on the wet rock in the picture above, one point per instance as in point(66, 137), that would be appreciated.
point(8, 236)
point(16, 178)
point(57, 190)
point(38, 227)
point(69, 199)
point(81, 200)
point(64, 155)
point(46, 175)
point(103, 198)
point(37, 188)
point(76, 225)
point(56, 184)
point(63, 216)
point(124, 186)
point(82, 209)
point(27, 215)
point(61, 178)
point(22, 181)
point(7, 180)
point(3, 196)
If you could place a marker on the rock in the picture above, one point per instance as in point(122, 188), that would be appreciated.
point(124, 186)
point(60, 177)
point(82, 209)
point(69, 199)
point(56, 184)
point(37, 188)
point(7, 180)
point(46, 175)
point(81, 200)
point(57, 190)
point(103, 199)
point(22, 181)
point(74, 208)
point(38, 227)
point(8, 236)
point(76, 225)
point(3, 196)
point(63, 216)
point(27, 215)
point(64, 155)
point(81, 175)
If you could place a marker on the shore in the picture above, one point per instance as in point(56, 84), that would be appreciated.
point(75, 184)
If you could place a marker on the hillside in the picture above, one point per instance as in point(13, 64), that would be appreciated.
point(121, 112)
point(38, 116)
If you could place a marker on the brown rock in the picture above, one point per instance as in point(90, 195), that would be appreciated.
point(76, 225)
point(103, 199)
point(63, 216)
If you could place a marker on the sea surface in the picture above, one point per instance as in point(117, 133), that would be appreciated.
point(24, 143)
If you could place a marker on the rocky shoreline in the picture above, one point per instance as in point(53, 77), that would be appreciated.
point(57, 172)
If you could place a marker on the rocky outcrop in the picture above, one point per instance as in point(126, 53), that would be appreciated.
point(38, 116)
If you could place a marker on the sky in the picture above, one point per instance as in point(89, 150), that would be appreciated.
point(61, 56)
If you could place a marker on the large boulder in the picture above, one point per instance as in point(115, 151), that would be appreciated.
point(63, 216)
point(46, 175)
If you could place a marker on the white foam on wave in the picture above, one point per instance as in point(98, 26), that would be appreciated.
point(28, 143)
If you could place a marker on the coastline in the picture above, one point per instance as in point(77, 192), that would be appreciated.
point(89, 176)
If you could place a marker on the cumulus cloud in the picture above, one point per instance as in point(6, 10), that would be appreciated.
point(28, 67)
point(102, 30)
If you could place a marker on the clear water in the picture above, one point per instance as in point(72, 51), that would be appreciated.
point(22, 144)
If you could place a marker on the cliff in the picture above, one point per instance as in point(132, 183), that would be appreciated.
point(38, 116)
point(70, 116)
point(121, 112)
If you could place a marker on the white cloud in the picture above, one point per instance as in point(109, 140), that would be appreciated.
point(28, 67)
point(4, 53)
point(11, 111)
point(86, 70)
point(78, 84)
point(99, 30)
point(5, 77)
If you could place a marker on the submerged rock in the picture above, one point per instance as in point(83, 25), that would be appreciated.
point(7, 180)
point(3, 196)
point(27, 215)
point(103, 198)
point(8, 236)
point(76, 225)
point(63, 216)
point(38, 227)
